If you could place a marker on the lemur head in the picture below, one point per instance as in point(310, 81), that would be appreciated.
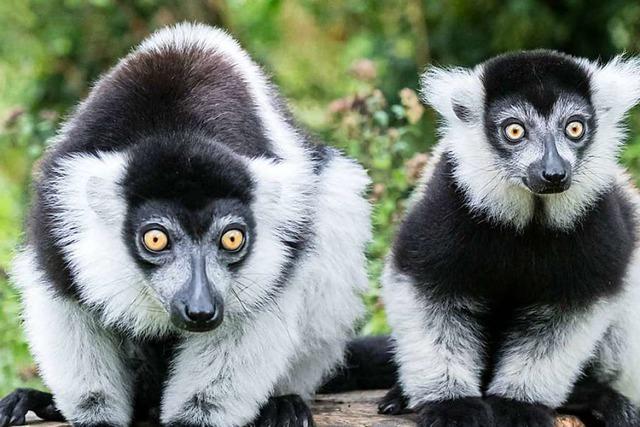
point(188, 224)
point(534, 129)
point(179, 193)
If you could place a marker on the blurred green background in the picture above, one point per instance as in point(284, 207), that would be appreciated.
point(348, 68)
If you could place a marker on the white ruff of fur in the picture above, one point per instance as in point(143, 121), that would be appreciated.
point(488, 187)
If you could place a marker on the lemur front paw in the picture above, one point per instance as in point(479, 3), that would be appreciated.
point(603, 407)
point(462, 412)
point(14, 407)
point(284, 411)
point(513, 413)
point(394, 402)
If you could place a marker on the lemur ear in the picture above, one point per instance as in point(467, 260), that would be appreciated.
point(104, 201)
point(455, 93)
point(615, 86)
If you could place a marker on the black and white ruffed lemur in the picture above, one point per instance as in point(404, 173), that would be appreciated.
point(513, 285)
point(191, 256)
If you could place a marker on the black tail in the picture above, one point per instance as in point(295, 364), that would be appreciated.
point(369, 365)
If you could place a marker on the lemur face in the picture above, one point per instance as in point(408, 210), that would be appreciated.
point(538, 118)
point(189, 226)
point(533, 134)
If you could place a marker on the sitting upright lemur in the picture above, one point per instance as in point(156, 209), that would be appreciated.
point(513, 285)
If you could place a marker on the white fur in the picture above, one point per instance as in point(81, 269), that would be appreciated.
point(442, 88)
point(77, 358)
point(89, 226)
point(619, 353)
point(438, 350)
point(544, 367)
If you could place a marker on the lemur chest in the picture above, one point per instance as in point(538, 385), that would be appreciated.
point(450, 251)
point(149, 361)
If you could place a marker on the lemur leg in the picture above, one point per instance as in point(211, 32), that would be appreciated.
point(78, 360)
point(542, 360)
point(302, 380)
point(222, 378)
point(439, 355)
point(14, 407)
point(616, 371)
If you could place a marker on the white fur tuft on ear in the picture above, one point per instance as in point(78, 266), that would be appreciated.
point(615, 86)
point(88, 190)
point(455, 93)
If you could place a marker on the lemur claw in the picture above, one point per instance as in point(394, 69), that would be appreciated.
point(14, 407)
point(393, 403)
point(463, 412)
point(508, 412)
point(284, 411)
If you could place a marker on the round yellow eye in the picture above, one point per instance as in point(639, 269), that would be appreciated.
point(514, 131)
point(155, 240)
point(232, 240)
point(574, 129)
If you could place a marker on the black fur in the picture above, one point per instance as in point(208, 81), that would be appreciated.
point(463, 412)
point(394, 402)
point(149, 360)
point(14, 407)
point(451, 251)
point(289, 410)
point(369, 365)
point(598, 405)
point(186, 169)
point(538, 76)
point(508, 412)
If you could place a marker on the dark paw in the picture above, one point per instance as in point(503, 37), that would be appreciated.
point(463, 412)
point(14, 407)
point(284, 411)
point(394, 402)
point(508, 412)
point(597, 404)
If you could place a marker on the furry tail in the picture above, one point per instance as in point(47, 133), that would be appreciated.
point(369, 365)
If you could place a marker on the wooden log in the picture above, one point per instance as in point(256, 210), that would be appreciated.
point(353, 409)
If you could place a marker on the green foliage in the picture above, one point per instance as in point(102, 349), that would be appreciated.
point(22, 142)
point(344, 65)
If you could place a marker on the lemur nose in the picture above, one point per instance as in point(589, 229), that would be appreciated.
point(554, 177)
point(199, 315)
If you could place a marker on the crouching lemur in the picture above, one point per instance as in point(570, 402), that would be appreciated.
point(513, 285)
point(192, 256)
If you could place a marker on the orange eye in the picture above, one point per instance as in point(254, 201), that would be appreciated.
point(155, 240)
point(514, 132)
point(574, 129)
point(232, 240)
